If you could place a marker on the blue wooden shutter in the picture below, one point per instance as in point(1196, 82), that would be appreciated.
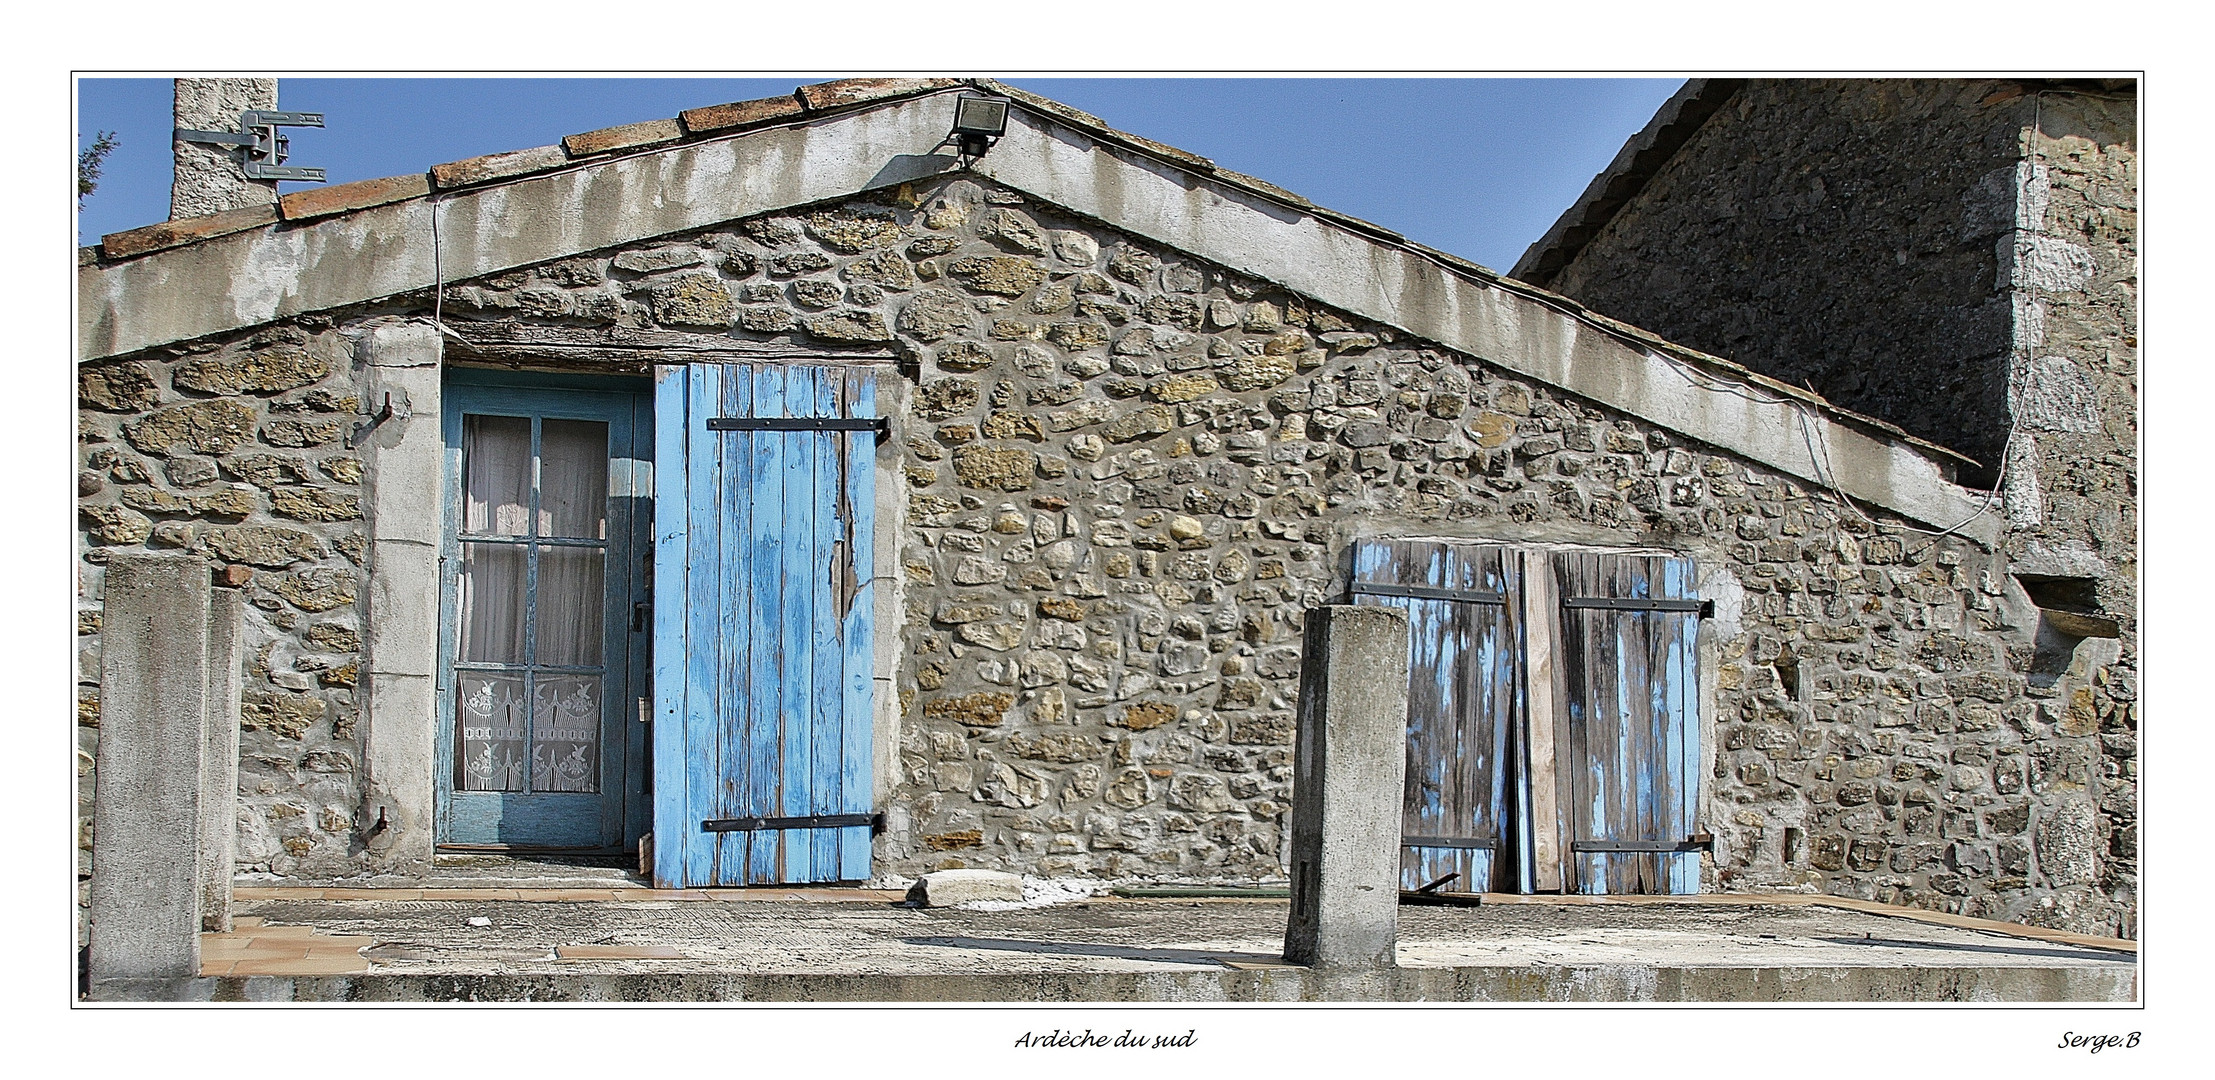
point(1631, 748)
point(762, 664)
point(1465, 789)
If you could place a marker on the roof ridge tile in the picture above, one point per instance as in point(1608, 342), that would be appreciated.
point(182, 231)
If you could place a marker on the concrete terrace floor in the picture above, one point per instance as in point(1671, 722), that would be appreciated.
point(555, 934)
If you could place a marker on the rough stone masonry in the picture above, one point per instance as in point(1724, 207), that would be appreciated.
point(1958, 257)
point(1127, 473)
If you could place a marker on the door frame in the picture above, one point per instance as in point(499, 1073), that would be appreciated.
point(627, 405)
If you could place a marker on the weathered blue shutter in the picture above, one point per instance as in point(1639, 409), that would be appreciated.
point(1464, 792)
point(1631, 754)
point(762, 625)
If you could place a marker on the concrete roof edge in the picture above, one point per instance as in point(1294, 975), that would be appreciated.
point(402, 218)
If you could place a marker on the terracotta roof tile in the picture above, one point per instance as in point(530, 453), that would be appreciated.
point(625, 137)
point(1263, 186)
point(1041, 104)
point(831, 95)
point(739, 114)
point(1183, 157)
point(490, 167)
point(361, 194)
point(183, 231)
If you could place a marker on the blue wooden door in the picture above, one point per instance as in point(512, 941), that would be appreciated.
point(542, 564)
point(1465, 798)
point(762, 624)
point(1631, 745)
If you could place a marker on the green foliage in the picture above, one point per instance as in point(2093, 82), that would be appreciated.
point(89, 161)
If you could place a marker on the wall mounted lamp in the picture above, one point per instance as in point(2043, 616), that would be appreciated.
point(977, 122)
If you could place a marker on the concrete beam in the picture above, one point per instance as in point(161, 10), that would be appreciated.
point(403, 466)
point(1349, 769)
point(147, 775)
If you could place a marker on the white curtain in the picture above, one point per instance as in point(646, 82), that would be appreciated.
point(564, 709)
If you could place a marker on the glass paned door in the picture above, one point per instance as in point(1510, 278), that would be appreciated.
point(543, 526)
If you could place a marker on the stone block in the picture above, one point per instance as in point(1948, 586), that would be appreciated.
point(945, 888)
point(1349, 765)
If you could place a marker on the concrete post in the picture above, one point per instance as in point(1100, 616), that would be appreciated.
point(147, 774)
point(1349, 769)
point(208, 179)
point(404, 459)
point(219, 759)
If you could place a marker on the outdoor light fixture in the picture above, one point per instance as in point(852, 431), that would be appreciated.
point(978, 121)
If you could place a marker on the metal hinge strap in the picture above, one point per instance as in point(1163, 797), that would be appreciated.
point(1470, 842)
point(805, 821)
point(1704, 608)
point(878, 424)
point(1427, 592)
point(1616, 846)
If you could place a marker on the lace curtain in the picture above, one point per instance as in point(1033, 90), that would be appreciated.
point(545, 723)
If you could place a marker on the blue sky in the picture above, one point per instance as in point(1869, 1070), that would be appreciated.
point(1475, 166)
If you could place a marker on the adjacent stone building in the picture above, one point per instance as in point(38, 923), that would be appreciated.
point(1958, 257)
point(1140, 414)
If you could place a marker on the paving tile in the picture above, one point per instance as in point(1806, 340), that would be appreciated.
point(373, 894)
point(303, 966)
point(471, 894)
point(618, 952)
point(274, 892)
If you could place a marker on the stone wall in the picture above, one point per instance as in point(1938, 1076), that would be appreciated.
point(2071, 483)
point(1842, 234)
point(1958, 257)
point(235, 448)
point(1127, 472)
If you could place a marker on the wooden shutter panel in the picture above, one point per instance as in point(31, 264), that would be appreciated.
point(762, 631)
point(1629, 751)
point(1464, 769)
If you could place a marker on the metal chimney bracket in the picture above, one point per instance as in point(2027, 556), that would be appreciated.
point(266, 149)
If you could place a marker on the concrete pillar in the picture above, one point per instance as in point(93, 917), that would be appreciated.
point(1349, 769)
point(147, 775)
point(208, 178)
point(404, 462)
point(219, 758)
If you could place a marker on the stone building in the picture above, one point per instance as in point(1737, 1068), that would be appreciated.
point(1958, 257)
point(1681, 626)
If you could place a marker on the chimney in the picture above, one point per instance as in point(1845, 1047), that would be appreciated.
point(210, 178)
